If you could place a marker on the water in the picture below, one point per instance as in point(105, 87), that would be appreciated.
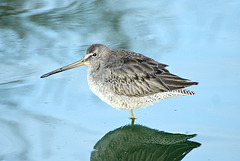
point(58, 118)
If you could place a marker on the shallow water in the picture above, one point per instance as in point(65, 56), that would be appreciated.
point(59, 118)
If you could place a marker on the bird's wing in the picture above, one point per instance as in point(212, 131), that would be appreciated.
point(134, 74)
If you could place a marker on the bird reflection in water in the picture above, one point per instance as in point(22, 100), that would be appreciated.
point(137, 142)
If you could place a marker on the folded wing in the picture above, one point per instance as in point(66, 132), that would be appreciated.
point(137, 75)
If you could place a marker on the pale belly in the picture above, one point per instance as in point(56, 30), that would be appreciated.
point(106, 94)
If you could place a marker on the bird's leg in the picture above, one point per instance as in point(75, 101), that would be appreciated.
point(133, 117)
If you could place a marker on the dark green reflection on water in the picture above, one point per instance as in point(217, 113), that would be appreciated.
point(137, 142)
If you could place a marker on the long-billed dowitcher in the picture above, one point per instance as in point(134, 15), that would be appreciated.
point(128, 80)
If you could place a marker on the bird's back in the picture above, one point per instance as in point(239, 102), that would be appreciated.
point(135, 75)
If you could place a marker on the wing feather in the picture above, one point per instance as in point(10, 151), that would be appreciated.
point(136, 75)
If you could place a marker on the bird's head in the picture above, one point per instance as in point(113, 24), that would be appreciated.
point(95, 53)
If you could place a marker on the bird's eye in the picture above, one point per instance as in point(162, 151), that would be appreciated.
point(94, 54)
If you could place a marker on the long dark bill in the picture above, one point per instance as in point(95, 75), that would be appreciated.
point(70, 66)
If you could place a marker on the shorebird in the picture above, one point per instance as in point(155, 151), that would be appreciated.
point(128, 80)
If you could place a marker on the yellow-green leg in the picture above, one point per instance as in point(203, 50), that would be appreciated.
point(133, 117)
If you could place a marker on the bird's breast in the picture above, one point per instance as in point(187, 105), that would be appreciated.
point(98, 85)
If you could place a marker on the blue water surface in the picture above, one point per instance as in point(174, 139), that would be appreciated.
point(59, 118)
